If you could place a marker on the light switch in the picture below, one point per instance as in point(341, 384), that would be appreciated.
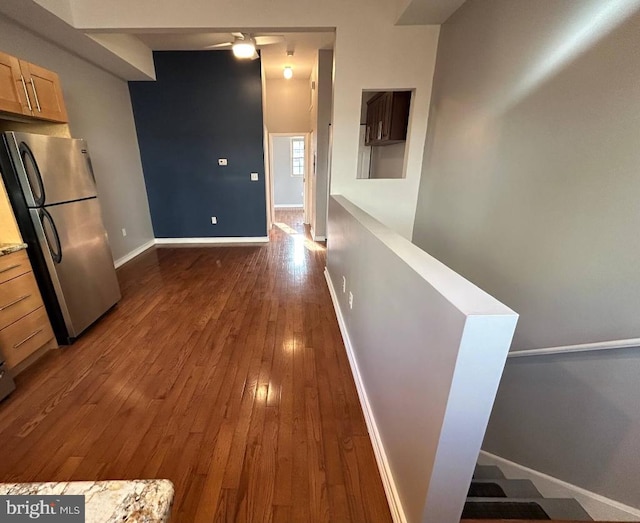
point(222, 161)
point(254, 177)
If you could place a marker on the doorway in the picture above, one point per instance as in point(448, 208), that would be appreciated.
point(289, 167)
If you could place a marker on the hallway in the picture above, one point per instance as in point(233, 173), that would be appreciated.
point(223, 370)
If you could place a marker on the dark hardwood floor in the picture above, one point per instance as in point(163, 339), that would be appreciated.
point(223, 370)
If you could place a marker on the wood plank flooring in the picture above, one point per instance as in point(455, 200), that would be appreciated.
point(223, 370)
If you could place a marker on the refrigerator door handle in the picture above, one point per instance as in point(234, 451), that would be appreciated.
point(56, 250)
point(33, 173)
point(89, 165)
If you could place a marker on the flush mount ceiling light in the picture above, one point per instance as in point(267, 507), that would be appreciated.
point(288, 70)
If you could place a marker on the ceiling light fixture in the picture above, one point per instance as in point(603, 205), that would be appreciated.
point(244, 48)
point(288, 70)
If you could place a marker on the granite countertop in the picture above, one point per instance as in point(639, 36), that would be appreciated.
point(8, 248)
point(134, 501)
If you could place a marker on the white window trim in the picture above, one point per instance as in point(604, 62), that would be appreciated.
point(297, 139)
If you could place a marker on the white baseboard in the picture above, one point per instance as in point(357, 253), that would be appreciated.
point(395, 505)
point(598, 507)
point(186, 241)
point(230, 239)
point(135, 252)
point(283, 206)
point(316, 237)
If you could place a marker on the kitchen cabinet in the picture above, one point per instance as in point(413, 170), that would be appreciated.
point(12, 96)
point(24, 324)
point(45, 92)
point(387, 118)
point(13, 265)
point(27, 89)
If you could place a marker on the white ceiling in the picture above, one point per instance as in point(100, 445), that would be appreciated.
point(120, 40)
point(274, 57)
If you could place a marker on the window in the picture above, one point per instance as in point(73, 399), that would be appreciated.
point(297, 156)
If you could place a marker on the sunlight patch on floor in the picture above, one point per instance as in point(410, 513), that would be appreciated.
point(302, 242)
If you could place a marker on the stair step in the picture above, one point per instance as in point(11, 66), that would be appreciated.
point(524, 508)
point(488, 472)
point(487, 488)
point(485, 509)
point(509, 488)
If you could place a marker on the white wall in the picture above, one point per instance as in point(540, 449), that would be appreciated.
point(530, 178)
point(51, 19)
point(131, 50)
point(387, 161)
point(575, 417)
point(99, 110)
point(288, 106)
point(429, 348)
point(287, 189)
point(419, 12)
point(324, 103)
point(370, 53)
point(530, 189)
point(311, 207)
point(385, 64)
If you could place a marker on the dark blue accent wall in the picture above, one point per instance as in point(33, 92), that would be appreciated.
point(204, 105)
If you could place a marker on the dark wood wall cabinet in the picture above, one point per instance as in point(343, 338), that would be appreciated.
point(30, 90)
point(387, 118)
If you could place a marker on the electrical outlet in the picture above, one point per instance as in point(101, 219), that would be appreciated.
point(214, 220)
point(350, 300)
point(124, 231)
point(344, 284)
point(254, 177)
point(222, 161)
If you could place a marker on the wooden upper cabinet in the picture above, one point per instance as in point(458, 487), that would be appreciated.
point(45, 92)
point(13, 96)
point(30, 90)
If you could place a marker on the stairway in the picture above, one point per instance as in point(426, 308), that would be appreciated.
point(492, 496)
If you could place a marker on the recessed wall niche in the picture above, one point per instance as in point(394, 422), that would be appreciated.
point(384, 120)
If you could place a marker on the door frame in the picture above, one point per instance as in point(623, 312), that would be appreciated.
point(270, 178)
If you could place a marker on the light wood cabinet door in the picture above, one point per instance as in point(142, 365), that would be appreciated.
point(45, 92)
point(13, 265)
point(24, 324)
point(18, 297)
point(22, 338)
point(13, 97)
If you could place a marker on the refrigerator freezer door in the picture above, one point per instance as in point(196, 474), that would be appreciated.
point(51, 170)
point(75, 247)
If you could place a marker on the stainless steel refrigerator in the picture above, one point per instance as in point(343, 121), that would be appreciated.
point(53, 193)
